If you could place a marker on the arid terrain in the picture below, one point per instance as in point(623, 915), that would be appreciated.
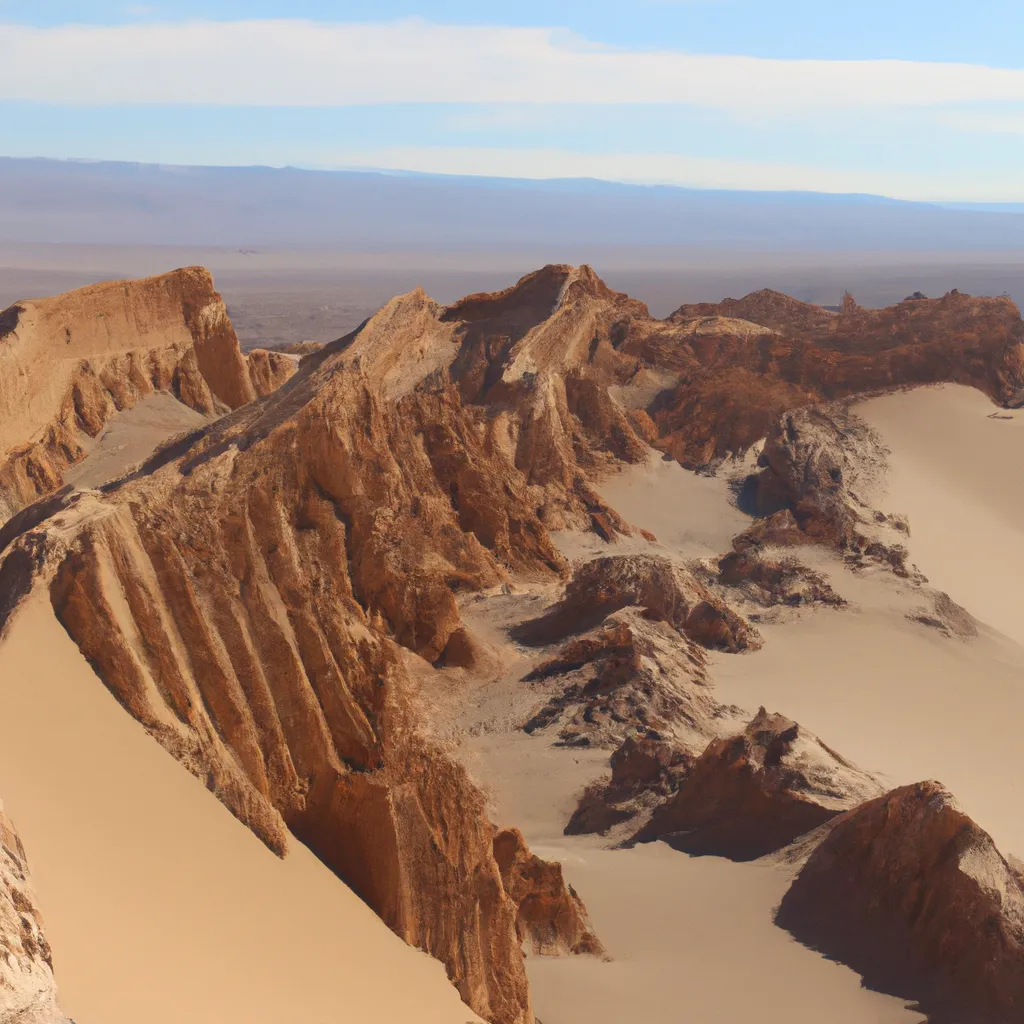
point(518, 657)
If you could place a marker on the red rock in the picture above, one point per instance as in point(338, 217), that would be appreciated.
point(911, 893)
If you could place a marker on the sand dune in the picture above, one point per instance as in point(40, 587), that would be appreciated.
point(159, 905)
point(691, 939)
point(957, 470)
point(894, 695)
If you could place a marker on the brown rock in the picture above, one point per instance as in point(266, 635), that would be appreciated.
point(644, 773)
point(752, 794)
point(911, 893)
point(28, 994)
point(771, 582)
point(269, 369)
point(72, 362)
point(631, 676)
point(664, 589)
point(550, 919)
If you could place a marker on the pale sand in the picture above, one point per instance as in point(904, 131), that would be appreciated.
point(691, 939)
point(895, 696)
point(159, 905)
point(689, 514)
point(131, 437)
point(959, 475)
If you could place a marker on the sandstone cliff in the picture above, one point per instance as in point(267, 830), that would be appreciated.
point(550, 919)
point(70, 363)
point(911, 893)
point(27, 991)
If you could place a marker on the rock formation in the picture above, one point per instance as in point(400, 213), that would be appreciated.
point(630, 676)
point(70, 363)
point(664, 589)
point(550, 919)
point(269, 369)
point(644, 773)
point(243, 592)
point(247, 592)
point(911, 893)
point(771, 582)
point(752, 794)
point(28, 994)
point(734, 387)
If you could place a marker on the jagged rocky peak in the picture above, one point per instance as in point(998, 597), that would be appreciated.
point(914, 895)
point(753, 793)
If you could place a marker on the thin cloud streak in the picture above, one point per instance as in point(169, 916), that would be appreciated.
point(301, 63)
point(694, 172)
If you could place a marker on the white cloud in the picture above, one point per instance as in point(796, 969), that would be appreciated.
point(285, 63)
point(1003, 185)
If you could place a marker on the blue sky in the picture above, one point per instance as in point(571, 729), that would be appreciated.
point(909, 99)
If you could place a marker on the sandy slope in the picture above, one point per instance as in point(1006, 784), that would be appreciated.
point(688, 513)
point(691, 939)
point(957, 470)
point(132, 436)
point(898, 697)
point(159, 905)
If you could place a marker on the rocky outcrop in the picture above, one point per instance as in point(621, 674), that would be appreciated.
point(644, 773)
point(28, 993)
point(911, 893)
point(770, 582)
point(269, 369)
point(664, 589)
point(630, 676)
point(730, 389)
point(550, 918)
point(752, 794)
point(70, 363)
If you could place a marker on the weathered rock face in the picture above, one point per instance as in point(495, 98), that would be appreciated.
point(911, 893)
point(771, 582)
point(752, 794)
point(667, 591)
point(818, 468)
point(733, 388)
point(269, 369)
point(550, 920)
point(68, 364)
point(28, 994)
point(644, 773)
point(243, 593)
point(630, 676)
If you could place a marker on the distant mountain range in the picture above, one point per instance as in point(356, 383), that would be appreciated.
point(136, 204)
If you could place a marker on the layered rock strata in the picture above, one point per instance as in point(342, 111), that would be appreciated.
point(70, 363)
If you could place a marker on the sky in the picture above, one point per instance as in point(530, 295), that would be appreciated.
point(903, 98)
